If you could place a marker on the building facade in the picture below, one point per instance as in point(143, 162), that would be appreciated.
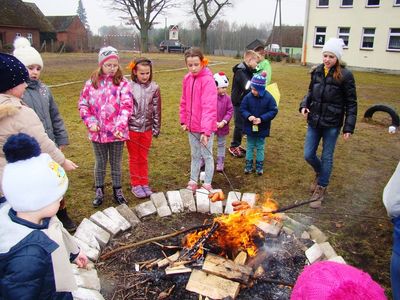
point(369, 28)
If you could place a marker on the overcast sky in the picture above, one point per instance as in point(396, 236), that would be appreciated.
point(252, 12)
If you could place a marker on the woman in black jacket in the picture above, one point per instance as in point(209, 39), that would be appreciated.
point(331, 103)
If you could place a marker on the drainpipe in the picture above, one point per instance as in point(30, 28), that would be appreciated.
point(305, 35)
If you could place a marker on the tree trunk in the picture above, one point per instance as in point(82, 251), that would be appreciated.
point(203, 38)
point(144, 39)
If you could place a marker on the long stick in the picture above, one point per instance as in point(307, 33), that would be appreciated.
point(157, 238)
point(292, 206)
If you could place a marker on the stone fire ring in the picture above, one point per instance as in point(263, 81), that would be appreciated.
point(93, 234)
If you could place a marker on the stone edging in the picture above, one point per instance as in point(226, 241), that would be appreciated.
point(93, 234)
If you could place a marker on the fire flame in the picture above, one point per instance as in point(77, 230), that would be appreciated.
point(238, 231)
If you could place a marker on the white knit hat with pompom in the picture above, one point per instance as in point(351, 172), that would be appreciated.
point(26, 53)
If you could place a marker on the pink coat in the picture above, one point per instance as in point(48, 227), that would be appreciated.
point(225, 111)
point(198, 107)
point(109, 107)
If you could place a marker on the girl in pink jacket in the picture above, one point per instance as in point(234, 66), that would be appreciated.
point(105, 105)
point(198, 115)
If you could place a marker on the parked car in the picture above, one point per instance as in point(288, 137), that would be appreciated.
point(274, 50)
point(172, 46)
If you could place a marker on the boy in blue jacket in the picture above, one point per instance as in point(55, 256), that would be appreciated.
point(258, 108)
point(35, 249)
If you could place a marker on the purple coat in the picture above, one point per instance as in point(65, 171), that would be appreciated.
point(224, 112)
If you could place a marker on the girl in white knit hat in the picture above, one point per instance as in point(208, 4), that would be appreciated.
point(39, 97)
point(329, 106)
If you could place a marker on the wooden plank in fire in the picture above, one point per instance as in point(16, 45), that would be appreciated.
point(226, 268)
point(212, 286)
point(166, 261)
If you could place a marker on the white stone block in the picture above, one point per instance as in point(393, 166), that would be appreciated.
point(87, 237)
point(314, 253)
point(86, 294)
point(202, 201)
point(145, 209)
point(232, 196)
point(161, 204)
point(175, 201)
point(101, 235)
point(317, 235)
point(338, 259)
point(188, 199)
point(87, 279)
point(128, 214)
point(328, 250)
point(271, 229)
point(92, 253)
point(250, 198)
point(105, 222)
point(114, 215)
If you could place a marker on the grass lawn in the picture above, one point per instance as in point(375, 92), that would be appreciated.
point(352, 215)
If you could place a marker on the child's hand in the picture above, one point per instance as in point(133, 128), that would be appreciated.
point(94, 127)
point(69, 165)
point(62, 147)
point(118, 134)
point(256, 121)
point(204, 139)
point(184, 127)
point(251, 118)
point(81, 260)
point(304, 111)
point(221, 124)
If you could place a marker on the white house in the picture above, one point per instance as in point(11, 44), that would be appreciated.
point(369, 28)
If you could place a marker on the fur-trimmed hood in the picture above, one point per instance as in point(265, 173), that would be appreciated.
point(9, 105)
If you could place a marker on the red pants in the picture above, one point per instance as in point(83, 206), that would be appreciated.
point(138, 150)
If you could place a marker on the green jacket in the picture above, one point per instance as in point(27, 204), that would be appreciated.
point(264, 65)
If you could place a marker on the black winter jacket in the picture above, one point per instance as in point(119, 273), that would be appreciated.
point(242, 73)
point(331, 103)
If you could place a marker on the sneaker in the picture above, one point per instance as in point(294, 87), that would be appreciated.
point(207, 186)
point(192, 185)
point(248, 167)
point(235, 151)
point(317, 197)
point(99, 198)
point(138, 192)
point(119, 196)
point(147, 190)
point(259, 167)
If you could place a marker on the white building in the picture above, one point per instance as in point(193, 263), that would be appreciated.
point(369, 28)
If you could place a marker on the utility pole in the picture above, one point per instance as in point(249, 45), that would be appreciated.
point(278, 3)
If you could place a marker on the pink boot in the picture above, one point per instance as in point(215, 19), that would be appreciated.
point(220, 163)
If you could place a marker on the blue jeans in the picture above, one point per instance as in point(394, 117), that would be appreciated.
point(238, 130)
point(323, 165)
point(257, 143)
point(198, 151)
point(395, 275)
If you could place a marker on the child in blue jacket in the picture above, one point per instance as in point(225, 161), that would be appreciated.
point(258, 108)
point(35, 249)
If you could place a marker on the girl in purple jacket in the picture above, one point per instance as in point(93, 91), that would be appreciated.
point(105, 105)
point(198, 115)
point(224, 115)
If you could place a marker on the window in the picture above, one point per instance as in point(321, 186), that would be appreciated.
point(367, 41)
point(322, 3)
point(372, 3)
point(394, 39)
point(344, 33)
point(319, 38)
point(30, 38)
point(347, 3)
point(396, 3)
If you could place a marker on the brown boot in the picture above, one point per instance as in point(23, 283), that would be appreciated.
point(314, 184)
point(317, 197)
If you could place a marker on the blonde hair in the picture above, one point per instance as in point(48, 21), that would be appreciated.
point(249, 54)
point(117, 78)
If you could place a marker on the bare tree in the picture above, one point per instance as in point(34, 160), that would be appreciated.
point(206, 11)
point(142, 15)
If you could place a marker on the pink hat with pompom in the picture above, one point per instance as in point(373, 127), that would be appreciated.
point(328, 280)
